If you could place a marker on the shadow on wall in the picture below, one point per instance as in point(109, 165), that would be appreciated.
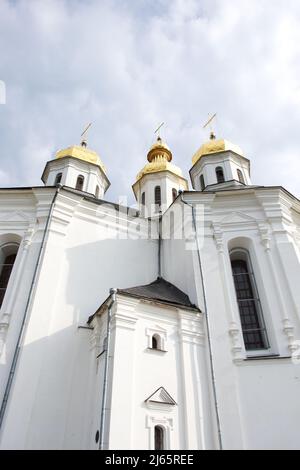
point(49, 404)
point(92, 269)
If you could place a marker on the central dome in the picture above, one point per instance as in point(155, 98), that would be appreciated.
point(159, 158)
point(159, 164)
point(160, 148)
point(216, 146)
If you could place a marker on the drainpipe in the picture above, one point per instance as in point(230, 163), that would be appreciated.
point(159, 243)
point(106, 364)
point(29, 298)
point(207, 322)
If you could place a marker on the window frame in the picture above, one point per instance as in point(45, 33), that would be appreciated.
point(157, 199)
point(240, 176)
point(167, 423)
point(202, 182)
point(58, 177)
point(242, 254)
point(143, 199)
point(8, 249)
point(156, 337)
point(174, 194)
point(163, 340)
point(218, 171)
point(162, 437)
point(79, 177)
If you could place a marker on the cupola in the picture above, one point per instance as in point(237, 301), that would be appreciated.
point(77, 167)
point(219, 163)
point(158, 183)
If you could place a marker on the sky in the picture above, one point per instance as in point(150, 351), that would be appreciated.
point(128, 65)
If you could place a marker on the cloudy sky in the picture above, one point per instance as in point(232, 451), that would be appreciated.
point(127, 65)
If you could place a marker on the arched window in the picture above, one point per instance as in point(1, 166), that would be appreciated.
point(174, 194)
point(159, 438)
point(58, 178)
point(143, 199)
point(157, 197)
point(79, 183)
point(220, 174)
point(240, 176)
point(253, 327)
point(202, 183)
point(97, 192)
point(156, 342)
point(8, 256)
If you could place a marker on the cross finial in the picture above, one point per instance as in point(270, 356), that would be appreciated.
point(83, 135)
point(158, 130)
point(209, 123)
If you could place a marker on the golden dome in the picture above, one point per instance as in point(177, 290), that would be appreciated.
point(215, 146)
point(159, 158)
point(82, 153)
point(160, 148)
point(159, 164)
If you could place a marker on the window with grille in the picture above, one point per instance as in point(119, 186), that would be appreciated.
point(253, 327)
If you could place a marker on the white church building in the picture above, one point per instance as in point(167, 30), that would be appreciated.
point(172, 325)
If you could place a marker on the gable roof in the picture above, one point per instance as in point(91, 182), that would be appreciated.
point(161, 291)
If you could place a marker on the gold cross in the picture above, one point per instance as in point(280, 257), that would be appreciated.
point(208, 123)
point(158, 129)
point(83, 135)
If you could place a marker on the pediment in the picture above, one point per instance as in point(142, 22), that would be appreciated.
point(159, 329)
point(161, 396)
point(237, 218)
point(14, 216)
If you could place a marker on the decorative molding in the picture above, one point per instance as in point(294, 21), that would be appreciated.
point(27, 239)
point(191, 328)
point(4, 324)
point(161, 332)
point(265, 237)
point(218, 237)
point(14, 216)
point(165, 422)
point(121, 320)
point(63, 213)
point(288, 329)
point(162, 398)
point(235, 336)
point(237, 218)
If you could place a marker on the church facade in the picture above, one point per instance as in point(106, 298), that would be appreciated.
point(173, 325)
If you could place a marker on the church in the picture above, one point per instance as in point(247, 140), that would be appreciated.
point(173, 325)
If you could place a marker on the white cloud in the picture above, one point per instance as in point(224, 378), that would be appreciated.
point(128, 65)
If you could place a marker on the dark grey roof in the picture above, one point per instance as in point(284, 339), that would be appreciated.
point(161, 291)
